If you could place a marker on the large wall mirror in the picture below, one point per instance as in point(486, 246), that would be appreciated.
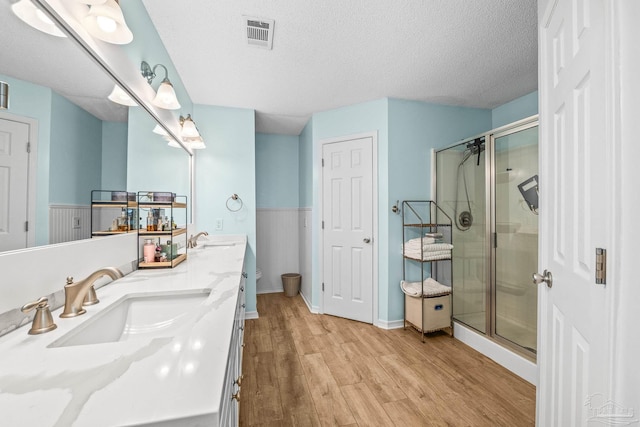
point(80, 141)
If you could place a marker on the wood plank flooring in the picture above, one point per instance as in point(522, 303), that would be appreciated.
point(303, 369)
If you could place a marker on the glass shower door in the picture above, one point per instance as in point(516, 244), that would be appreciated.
point(515, 183)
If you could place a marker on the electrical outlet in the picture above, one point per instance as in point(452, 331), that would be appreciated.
point(219, 224)
point(76, 222)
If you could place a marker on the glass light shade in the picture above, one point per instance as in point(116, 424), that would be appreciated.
point(34, 17)
point(189, 128)
point(4, 96)
point(195, 143)
point(160, 131)
point(106, 22)
point(166, 97)
point(119, 96)
point(92, 2)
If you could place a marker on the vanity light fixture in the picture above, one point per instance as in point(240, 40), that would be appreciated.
point(165, 96)
point(4, 96)
point(105, 21)
point(34, 17)
point(119, 96)
point(160, 130)
point(189, 129)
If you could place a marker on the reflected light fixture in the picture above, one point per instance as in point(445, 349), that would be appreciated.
point(165, 96)
point(119, 96)
point(105, 21)
point(189, 129)
point(34, 17)
point(160, 130)
point(4, 96)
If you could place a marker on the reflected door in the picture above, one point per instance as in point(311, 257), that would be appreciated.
point(516, 235)
point(14, 172)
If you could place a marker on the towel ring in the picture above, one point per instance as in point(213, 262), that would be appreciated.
point(234, 197)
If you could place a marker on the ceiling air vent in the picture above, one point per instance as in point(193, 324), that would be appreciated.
point(259, 32)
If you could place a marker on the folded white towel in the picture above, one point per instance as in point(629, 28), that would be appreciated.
point(428, 288)
point(428, 256)
point(437, 247)
point(418, 241)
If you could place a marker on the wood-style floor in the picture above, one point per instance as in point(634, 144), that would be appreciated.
point(303, 369)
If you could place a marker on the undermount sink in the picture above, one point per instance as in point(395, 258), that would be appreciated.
point(136, 316)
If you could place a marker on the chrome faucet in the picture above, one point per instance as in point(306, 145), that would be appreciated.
point(193, 240)
point(75, 293)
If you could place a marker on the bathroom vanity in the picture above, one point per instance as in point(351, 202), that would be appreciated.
point(161, 347)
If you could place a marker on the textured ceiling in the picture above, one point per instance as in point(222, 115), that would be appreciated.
point(55, 62)
point(333, 53)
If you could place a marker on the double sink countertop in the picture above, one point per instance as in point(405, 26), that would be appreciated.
point(141, 380)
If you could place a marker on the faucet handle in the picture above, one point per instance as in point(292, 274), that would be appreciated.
point(42, 321)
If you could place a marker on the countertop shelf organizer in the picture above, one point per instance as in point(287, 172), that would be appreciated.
point(113, 212)
point(163, 219)
point(426, 267)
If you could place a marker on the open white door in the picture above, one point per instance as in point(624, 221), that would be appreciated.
point(575, 177)
point(347, 212)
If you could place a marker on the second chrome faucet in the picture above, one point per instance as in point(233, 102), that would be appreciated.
point(75, 293)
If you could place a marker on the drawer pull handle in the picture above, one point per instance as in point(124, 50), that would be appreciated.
point(236, 396)
point(245, 275)
point(239, 380)
point(241, 288)
point(244, 305)
point(241, 328)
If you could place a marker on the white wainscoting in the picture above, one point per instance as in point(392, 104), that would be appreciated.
point(304, 236)
point(277, 247)
point(61, 223)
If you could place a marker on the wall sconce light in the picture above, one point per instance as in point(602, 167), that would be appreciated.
point(189, 129)
point(165, 96)
point(119, 96)
point(160, 130)
point(105, 21)
point(35, 18)
point(4, 96)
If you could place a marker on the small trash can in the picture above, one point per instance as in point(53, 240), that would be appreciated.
point(291, 284)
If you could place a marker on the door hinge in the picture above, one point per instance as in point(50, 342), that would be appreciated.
point(495, 240)
point(26, 226)
point(322, 286)
point(601, 266)
point(322, 162)
point(28, 147)
point(323, 225)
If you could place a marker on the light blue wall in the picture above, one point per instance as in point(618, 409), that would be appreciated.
point(351, 120)
point(415, 128)
point(276, 171)
point(34, 101)
point(76, 153)
point(305, 166)
point(226, 167)
point(515, 110)
point(151, 164)
point(114, 155)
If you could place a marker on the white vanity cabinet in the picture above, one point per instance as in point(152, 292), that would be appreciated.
point(230, 404)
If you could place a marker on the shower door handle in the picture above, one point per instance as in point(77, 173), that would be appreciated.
point(545, 277)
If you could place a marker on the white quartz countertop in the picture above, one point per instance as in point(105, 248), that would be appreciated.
point(136, 382)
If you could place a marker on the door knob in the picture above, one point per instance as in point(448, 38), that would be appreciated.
point(545, 277)
point(366, 240)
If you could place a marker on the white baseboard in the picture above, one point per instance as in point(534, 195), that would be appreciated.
point(270, 291)
point(251, 315)
point(393, 324)
point(314, 310)
point(525, 369)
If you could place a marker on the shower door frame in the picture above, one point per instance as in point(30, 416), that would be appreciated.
point(509, 129)
point(490, 229)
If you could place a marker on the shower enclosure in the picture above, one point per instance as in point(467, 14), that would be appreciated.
point(489, 186)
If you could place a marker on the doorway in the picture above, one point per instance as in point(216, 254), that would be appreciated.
point(348, 227)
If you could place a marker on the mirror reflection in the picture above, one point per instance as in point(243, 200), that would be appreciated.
point(77, 138)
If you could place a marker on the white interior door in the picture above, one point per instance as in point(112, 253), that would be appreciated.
point(14, 172)
point(574, 326)
point(347, 213)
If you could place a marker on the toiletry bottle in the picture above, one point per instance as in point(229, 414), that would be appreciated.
point(159, 227)
point(149, 250)
point(150, 224)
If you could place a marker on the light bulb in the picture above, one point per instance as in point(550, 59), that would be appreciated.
point(106, 24)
